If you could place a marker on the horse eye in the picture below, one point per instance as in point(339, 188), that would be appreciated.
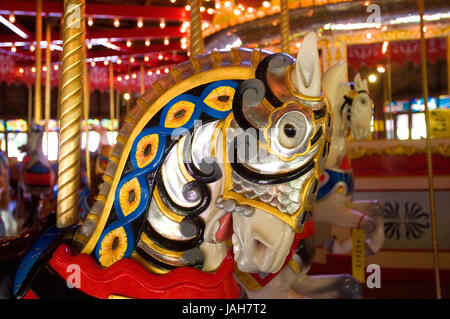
point(289, 130)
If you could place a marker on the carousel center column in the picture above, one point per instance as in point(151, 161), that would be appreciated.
point(70, 114)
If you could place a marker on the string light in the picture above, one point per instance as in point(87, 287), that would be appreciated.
point(227, 4)
point(160, 56)
point(44, 69)
point(89, 45)
point(13, 48)
point(187, 8)
point(369, 35)
point(32, 48)
point(217, 6)
point(56, 67)
point(184, 46)
point(116, 22)
point(127, 96)
point(140, 23)
point(372, 78)
point(92, 63)
point(237, 12)
point(127, 77)
point(384, 47)
point(12, 18)
point(162, 24)
point(146, 58)
point(266, 4)
point(119, 61)
point(173, 1)
point(149, 73)
point(105, 62)
point(381, 69)
point(132, 60)
point(21, 70)
point(119, 78)
point(33, 69)
point(128, 43)
point(147, 42)
point(202, 9)
point(166, 70)
point(366, 3)
point(250, 10)
point(90, 22)
point(134, 75)
point(210, 11)
point(158, 72)
point(166, 41)
point(52, 47)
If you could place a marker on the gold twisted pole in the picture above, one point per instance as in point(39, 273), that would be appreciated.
point(141, 77)
point(48, 88)
point(111, 92)
point(71, 102)
point(284, 26)
point(86, 107)
point(38, 57)
point(196, 37)
point(428, 148)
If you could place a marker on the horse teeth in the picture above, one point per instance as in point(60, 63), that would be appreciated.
point(283, 199)
point(266, 197)
point(250, 194)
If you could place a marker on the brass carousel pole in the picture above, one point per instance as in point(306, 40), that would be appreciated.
point(30, 106)
point(71, 102)
point(48, 61)
point(86, 105)
point(196, 37)
point(428, 149)
point(38, 56)
point(284, 26)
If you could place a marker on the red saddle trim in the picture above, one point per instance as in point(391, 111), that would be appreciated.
point(128, 278)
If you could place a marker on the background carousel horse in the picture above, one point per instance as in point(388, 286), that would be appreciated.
point(352, 113)
point(36, 178)
point(175, 192)
point(8, 225)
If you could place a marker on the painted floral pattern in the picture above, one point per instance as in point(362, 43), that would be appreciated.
point(411, 221)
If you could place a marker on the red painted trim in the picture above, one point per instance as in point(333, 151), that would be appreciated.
point(130, 279)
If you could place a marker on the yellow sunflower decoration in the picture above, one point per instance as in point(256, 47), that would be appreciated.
point(179, 114)
point(113, 247)
point(221, 98)
point(130, 196)
point(146, 150)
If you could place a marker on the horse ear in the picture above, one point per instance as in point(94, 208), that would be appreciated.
point(358, 82)
point(308, 71)
point(366, 87)
point(331, 80)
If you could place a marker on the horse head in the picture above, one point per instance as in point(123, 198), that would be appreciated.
point(289, 104)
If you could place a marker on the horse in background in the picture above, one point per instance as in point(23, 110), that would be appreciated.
point(352, 113)
point(36, 179)
point(8, 225)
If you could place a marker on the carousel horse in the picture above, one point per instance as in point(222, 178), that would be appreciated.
point(8, 224)
point(36, 177)
point(352, 113)
point(183, 179)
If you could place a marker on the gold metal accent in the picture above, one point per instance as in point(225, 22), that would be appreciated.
point(196, 37)
point(428, 148)
point(256, 58)
point(164, 209)
point(397, 150)
point(216, 58)
point(147, 265)
point(165, 252)
point(236, 56)
point(71, 100)
point(295, 266)
point(86, 107)
point(238, 73)
point(196, 65)
point(284, 26)
point(176, 74)
point(118, 297)
point(38, 59)
point(249, 282)
point(157, 86)
point(30, 108)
